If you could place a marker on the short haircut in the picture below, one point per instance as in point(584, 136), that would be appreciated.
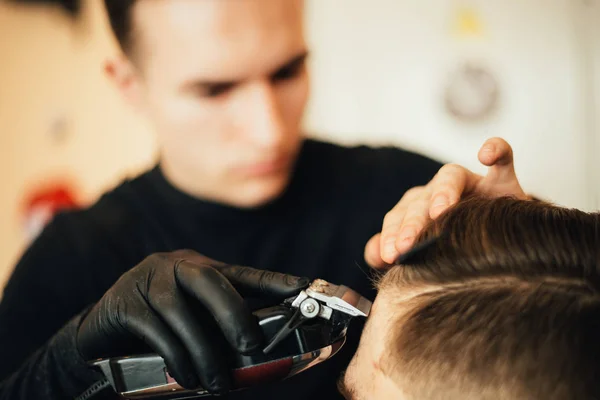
point(120, 17)
point(514, 312)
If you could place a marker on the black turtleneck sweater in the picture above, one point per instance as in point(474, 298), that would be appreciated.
point(318, 228)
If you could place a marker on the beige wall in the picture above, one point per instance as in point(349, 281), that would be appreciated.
point(592, 29)
point(51, 70)
point(379, 68)
point(393, 87)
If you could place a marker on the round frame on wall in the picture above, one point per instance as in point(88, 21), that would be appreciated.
point(473, 93)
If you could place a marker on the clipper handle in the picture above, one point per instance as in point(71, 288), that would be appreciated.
point(146, 376)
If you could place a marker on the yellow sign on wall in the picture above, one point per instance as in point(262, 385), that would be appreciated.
point(468, 23)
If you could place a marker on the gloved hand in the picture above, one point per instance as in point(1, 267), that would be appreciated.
point(183, 306)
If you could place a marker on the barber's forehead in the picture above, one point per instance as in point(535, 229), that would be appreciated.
point(218, 16)
point(219, 39)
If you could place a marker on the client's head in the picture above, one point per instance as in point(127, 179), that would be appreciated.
point(504, 305)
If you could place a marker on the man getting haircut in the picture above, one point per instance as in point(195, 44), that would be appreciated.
point(504, 304)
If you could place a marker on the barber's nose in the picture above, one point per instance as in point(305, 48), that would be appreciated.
point(266, 127)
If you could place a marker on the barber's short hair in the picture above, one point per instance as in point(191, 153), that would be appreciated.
point(515, 308)
point(120, 17)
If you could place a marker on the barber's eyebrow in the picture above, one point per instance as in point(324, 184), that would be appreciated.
point(215, 87)
point(348, 393)
point(291, 65)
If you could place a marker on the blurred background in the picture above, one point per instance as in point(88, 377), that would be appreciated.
point(435, 76)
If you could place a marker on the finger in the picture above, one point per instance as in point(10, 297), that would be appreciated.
point(392, 221)
point(447, 187)
point(396, 214)
point(152, 330)
point(249, 281)
point(257, 282)
point(498, 155)
point(501, 178)
point(373, 253)
point(495, 151)
point(217, 294)
point(201, 346)
point(195, 257)
point(417, 216)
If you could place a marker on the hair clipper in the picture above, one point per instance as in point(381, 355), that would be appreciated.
point(301, 332)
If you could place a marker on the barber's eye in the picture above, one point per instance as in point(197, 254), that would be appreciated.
point(289, 72)
point(216, 90)
point(212, 90)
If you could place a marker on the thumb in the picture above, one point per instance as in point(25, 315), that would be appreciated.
point(497, 154)
point(501, 178)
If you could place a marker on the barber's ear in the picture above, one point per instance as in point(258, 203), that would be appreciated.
point(126, 79)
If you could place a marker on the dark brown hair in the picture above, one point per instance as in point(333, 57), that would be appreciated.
point(514, 306)
point(120, 17)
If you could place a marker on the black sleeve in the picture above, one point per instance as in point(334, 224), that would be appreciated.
point(405, 169)
point(393, 172)
point(50, 285)
point(55, 371)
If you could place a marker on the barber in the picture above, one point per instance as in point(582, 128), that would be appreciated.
point(224, 85)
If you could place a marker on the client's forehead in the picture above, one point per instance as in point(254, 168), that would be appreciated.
point(399, 285)
point(395, 299)
point(393, 279)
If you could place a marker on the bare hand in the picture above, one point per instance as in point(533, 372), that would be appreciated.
point(421, 204)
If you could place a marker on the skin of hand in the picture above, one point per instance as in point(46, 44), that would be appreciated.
point(420, 205)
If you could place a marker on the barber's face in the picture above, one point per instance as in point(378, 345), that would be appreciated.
point(364, 379)
point(224, 83)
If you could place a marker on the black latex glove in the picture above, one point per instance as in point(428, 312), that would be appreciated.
point(182, 305)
